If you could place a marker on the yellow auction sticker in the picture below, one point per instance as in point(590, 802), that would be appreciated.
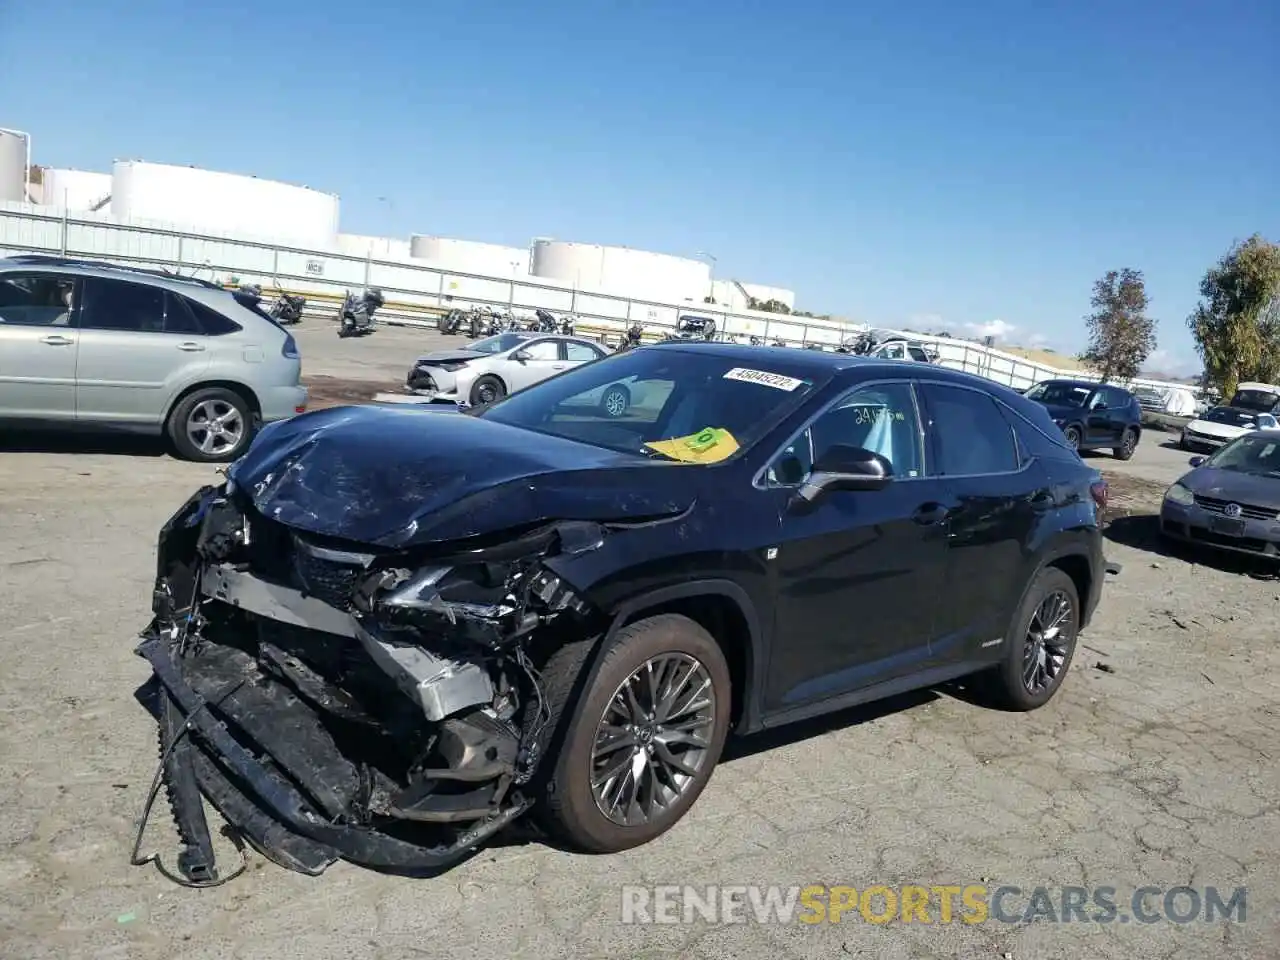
point(709, 445)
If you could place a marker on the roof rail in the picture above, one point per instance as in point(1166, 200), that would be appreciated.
point(56, 261)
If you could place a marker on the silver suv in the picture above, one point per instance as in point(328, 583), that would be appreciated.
point(87, 344)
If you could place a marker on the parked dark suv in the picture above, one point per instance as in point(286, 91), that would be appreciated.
point(393, 631)
point(1092, 416)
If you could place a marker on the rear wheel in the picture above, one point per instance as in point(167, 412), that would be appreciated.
point(487, 389)
point(643, 739)
point(213, 425)
point(1039, 646)
point(1128, 445)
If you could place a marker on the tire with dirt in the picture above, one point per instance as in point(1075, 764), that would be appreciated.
point(1072, 435)
point(1038, 647)
point(615, 401)
point(487, 389)
point(642, 739)
point(211, 425)
point(1128, 445)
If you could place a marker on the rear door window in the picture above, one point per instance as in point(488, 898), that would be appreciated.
point(580, 352)
point(123, 306)
point(968, 432)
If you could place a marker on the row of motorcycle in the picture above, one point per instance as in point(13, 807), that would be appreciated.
point(487, 322)
point(355, 314)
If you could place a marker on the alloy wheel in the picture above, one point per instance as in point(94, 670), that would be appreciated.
point(651, 742)
point(615, 403)
point(215, 426)
point(1047, 643)
point(1129, 441)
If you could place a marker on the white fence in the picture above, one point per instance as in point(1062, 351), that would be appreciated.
point(419, 285)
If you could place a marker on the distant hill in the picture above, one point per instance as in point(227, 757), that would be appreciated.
point(1059, 361)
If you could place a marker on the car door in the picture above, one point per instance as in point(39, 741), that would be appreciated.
point(38, 344)
point(999, 497)
point(135, 347)
point(1097, 419)
point(855, 574)
point(531, 362)
point(1120, 404)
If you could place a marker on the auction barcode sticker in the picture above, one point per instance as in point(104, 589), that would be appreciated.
point(763, 377)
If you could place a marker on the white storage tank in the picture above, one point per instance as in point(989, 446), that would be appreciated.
point(471, 256)
point(622, 270)
point(78, 191)
point(15, 158)
point(358, 245)
point(206, 200)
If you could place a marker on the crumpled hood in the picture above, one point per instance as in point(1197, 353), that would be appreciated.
point(1243, 488)
point(1215, 429)
point(392, 477)
point(445, 356)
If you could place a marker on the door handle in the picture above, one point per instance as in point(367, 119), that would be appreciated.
point(57, 340)
point(557, 366)
point(190, 347)
point(930, 513)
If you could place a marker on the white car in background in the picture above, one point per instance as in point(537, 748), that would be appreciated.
point(1254, 406)
point(487, 370)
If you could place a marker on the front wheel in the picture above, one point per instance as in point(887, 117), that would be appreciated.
point(1039, 646)
point(615, 401)
point(487, 389)
point(644, 739)
point(1072, 435)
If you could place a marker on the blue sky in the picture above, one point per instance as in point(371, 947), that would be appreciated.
point(968, 165)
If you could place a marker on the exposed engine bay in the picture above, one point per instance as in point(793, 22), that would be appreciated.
point(335, 700)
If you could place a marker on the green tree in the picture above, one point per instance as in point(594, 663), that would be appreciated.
point(1121, 335)
point(1237, 323)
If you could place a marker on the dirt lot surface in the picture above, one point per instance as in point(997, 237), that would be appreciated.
point(1156, 765)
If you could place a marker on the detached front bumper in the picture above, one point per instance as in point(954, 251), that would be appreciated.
point(264, 759)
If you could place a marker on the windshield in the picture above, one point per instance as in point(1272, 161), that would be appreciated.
point(503, 341)
point(662, 402)
point(1060, 393)
point(1231, 417)
point(1261, 401)
point(1257, 455)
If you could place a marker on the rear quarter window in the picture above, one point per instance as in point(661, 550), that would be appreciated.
point(212, 323)
point(1037, 435)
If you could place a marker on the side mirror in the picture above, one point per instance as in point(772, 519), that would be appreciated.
point(844, 467)
point(1197, 461)
point(520, 356)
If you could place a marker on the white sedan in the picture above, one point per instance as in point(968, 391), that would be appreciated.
point(487, 370)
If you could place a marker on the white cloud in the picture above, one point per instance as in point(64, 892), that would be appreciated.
point(1037, 340)
point(992, 328)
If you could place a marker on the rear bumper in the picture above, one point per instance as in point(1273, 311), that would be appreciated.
point(239, 757)
point(281, 403)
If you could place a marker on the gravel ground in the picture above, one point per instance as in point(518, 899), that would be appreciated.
point(1155, 765)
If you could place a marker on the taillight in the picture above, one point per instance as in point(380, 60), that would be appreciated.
point(1100, 493)
point(290, 348)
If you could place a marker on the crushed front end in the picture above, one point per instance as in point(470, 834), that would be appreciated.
point(336, 700)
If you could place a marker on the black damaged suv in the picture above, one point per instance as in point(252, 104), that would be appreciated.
point(392, 631)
